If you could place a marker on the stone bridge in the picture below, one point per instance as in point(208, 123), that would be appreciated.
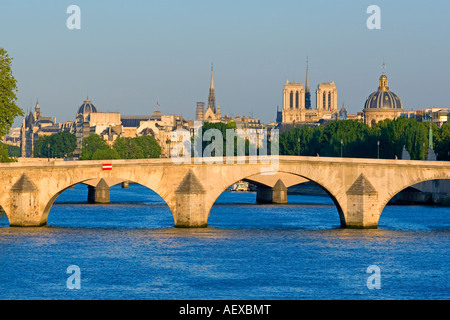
point(360, 188)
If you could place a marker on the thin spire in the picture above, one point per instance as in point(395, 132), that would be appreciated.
point(212, 78)
point(212, 97)
point(307, 76)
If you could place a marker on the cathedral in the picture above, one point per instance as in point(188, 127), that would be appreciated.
point(297, 102)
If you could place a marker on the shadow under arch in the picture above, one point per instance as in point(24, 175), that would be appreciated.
point(52, 200)
point(3, 213)
point(252, 178)
point(422, 191)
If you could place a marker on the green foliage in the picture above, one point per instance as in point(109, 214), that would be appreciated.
point(13, 151)
point(149, 145)
point(91, 144)
point(59, 145)
point(4, 157)
point(360, 140)
point(346, 135)
point(442, 142)
point(95, 147)
point(394, 134)
point(105, 154)
point(128, 148)
point(209, 146)
point(8, 88)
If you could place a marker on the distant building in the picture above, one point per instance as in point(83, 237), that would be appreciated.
point(33, 126)
point(382, 104)
point(89, 120)
point(297, 104)
point(157, 125)
point(199, 111)
point(13, 138)
point(343, 113)
point(438, 116)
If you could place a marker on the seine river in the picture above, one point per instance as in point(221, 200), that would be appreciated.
point(130, 250)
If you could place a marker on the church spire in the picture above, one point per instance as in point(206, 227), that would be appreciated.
point(212, 78)
point(212, 97)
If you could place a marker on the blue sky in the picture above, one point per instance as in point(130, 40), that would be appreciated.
point(129, 55)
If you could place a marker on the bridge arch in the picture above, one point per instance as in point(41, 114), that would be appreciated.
point(57, 191)
point(402, 185)
point(270, 181)
point(52, 200)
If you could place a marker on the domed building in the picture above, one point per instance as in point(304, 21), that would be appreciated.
point(86, 108)
point(82, 126)
point(382, 104)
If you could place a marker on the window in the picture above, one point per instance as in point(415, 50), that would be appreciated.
point(291, 100)
point(329, 100)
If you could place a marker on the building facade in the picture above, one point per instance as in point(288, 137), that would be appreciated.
point(297, 102)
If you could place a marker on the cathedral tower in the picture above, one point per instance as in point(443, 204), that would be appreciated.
point(307, 93)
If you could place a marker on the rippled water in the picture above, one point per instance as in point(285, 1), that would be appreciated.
point(130, 250)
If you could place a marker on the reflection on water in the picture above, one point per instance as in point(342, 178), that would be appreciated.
point(130, 250)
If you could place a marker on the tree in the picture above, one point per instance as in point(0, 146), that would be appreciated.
point(105, 154)
point(4, 157)
point(42, 147)
point(128, 148)
point(360, 140)
point(149, 145)
point(58, 145)
point(349, 136)
point(442, 142)
point(208, 146)
point(299, 141)
point(13, 151)
point(8, 88)
point(394, 134)
point(91, 144)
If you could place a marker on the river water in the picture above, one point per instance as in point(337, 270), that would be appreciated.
point(130, 250)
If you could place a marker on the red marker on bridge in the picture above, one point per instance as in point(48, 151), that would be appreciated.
point(107, 166)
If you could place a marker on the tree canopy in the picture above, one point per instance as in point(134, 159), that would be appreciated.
point(95, 147)
point(357, 140)
point(59, 145)
point(91, 144)
point(8, 88)
point(8, 107)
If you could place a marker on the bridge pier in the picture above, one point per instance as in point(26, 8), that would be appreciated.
point(191, 210)
point(99, 193)
point(277, 194)
point(363, 211)
point(25, 209)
